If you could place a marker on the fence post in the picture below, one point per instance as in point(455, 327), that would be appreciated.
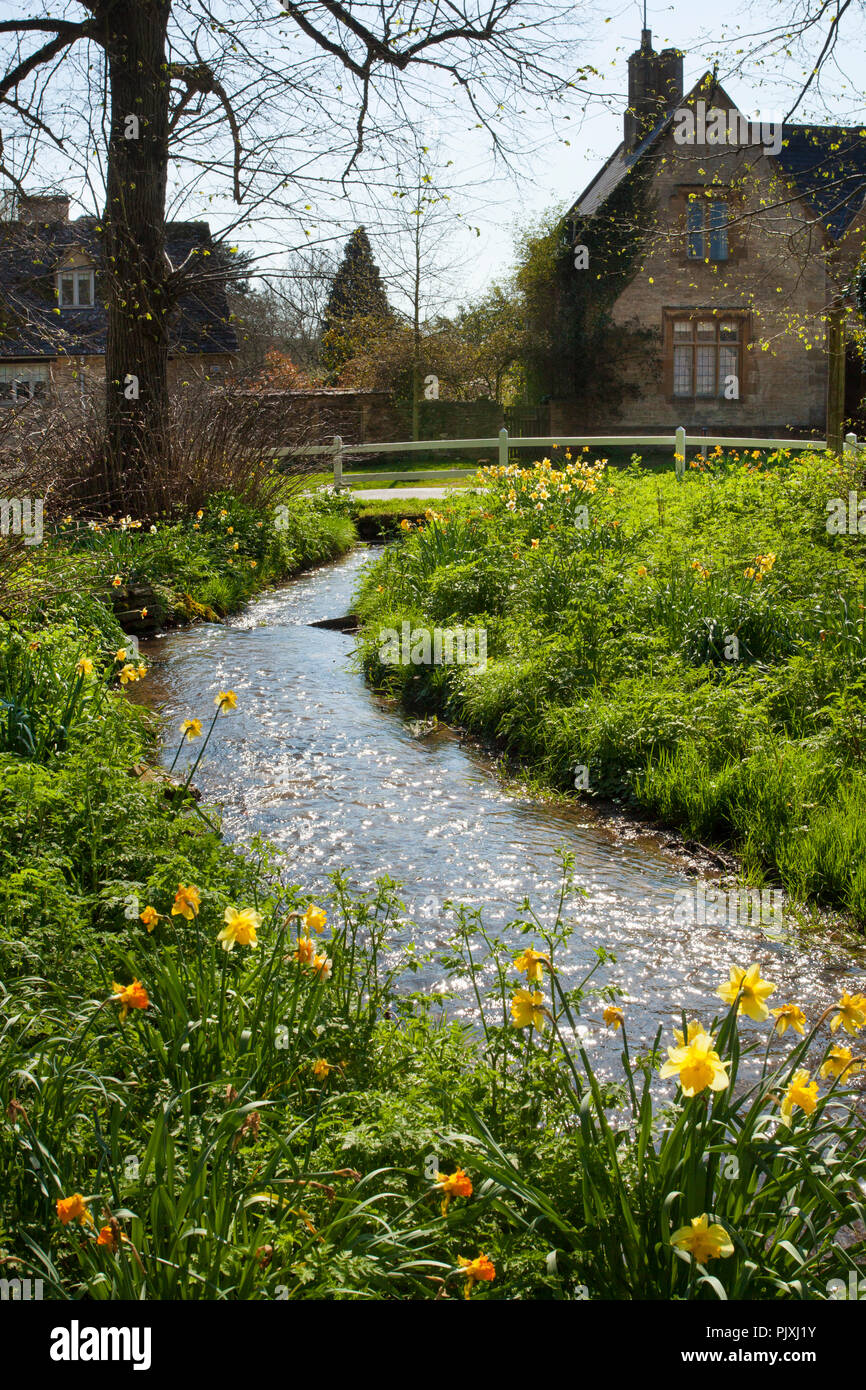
point(338, 462)
point(851, 442)
point(680, 452)
point(503, 448)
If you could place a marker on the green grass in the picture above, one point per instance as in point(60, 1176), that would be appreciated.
point(203, 566)
point(257, 1125)
point(652, 648)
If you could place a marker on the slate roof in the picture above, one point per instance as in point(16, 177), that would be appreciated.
point(826, 165)
point(613, 171)
point(31, 255)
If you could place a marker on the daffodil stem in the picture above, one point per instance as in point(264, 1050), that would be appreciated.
point(192, 770)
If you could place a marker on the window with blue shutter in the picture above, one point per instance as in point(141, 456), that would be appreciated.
point(695, 224)
point(717, 222)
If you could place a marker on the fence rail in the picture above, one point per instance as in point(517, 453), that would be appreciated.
point(679, 441)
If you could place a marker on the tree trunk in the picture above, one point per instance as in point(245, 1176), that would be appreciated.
point(416, 327)
point(136, 358)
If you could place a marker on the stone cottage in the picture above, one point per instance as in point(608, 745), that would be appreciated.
point(749, 232)
point(53, 320)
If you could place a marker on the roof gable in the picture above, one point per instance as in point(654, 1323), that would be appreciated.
point(825, 165)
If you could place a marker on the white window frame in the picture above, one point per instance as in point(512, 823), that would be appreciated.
point(23, 378)
point(75, 272)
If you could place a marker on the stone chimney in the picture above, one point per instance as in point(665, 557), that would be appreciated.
point(655, 85)
point(39, 208)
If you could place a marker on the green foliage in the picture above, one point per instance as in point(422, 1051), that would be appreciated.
point(269, 1122)
point(357, 293)
point(698, 646)
point(571, 346)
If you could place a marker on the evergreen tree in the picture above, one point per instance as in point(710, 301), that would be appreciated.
point(357, 297)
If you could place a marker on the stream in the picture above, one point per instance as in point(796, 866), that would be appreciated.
point(337, 777)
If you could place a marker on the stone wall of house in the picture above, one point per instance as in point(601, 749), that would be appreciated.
point(775, 271)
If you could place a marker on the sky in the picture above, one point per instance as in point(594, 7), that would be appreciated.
point(556, 151)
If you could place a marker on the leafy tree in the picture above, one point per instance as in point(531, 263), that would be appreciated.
point(494, 327)
point(356, 294)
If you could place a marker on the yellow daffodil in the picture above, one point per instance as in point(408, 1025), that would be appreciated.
point(642, 571)
point(84, 666)
point(801, 1094)
point(120, 654)
point(127, 674)
point(132, 996)
point(456, 1184)
point(789, 1016)
point(314, 919)
point(116, 582)
point(852, 1013)
point(529, 963)
point(693, 1029)
point(191, 728)
point(751, 989)
point(703, 1241)
point(527, 1009)
point(321, 966)
point(480, 1269)
point(73, 1208)
point(840, 1061)
point(226, 700)
point(697, 1064)
point(305, 951)
point(111, 1236)
point(187, 901)
point(613, 1017)
point(323, 1069)
point(149, 917)
point(240, 928)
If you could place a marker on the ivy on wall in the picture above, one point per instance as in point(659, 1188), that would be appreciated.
point(574, 349)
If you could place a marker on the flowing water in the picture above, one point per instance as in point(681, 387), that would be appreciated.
point(337, 778)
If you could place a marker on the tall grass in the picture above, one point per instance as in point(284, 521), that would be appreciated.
point(697, 646)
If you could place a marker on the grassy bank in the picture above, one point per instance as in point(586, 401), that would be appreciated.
point(696, 647)
point(283, 1119)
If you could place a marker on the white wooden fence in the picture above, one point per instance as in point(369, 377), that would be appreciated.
point(679, 441)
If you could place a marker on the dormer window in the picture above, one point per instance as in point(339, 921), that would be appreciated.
point(75, 289)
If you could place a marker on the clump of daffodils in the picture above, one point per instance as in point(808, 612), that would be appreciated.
point(760, 567)
point(530, 489)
